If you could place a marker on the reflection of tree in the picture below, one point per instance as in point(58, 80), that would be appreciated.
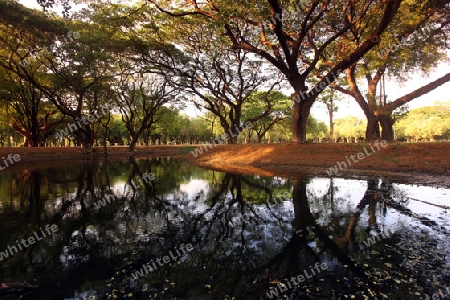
point(371, 266)
point(31, 192)
point(306, 222)
point(378, 197)
point(369, 199)
point(150, 219)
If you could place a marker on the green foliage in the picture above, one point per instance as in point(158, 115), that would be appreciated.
point(195, 56)
point(281, 132)
point(118, 133)
point(350, 128)
point(315, 130)
point(256, 106)
point(426, 123)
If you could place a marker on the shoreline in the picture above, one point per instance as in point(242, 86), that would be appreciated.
point(422, 160)
point(426, 158)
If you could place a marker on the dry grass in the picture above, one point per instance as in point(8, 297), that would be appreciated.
point(430, 158)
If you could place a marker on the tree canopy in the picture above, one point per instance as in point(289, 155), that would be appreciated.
point(234, 61)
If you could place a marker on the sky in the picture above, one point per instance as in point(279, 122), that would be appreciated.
point(394, 90)
point(348, 107)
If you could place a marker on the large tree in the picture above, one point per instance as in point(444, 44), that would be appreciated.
point(219, 79)
point(26, 37)
point(296, 39)
point(224, 83)
point(58, 63)
point(30, 114)
point(412, 46)
point(77, 74)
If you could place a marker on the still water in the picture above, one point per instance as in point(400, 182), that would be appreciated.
point(163, 229)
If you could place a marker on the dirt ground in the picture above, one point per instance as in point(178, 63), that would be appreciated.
point(59, 156)
point(428, 163)
point(427, 159)
point(402, 157)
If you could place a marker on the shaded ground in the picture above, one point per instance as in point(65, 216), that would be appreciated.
point(60, 156)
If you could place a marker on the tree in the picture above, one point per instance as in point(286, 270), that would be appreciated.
point(316, 130)
point(221, 82)
point(31, 116)
point(256, 105)
point(427, 123)
point(139, 100)
point(329, 97)
point(72, 75)
point(230, 81)
point(199, 131)
point(281, 132)
point(417, 44)
point(298, 40)
point(115, 132)
point(168, 125)
point(22, 49)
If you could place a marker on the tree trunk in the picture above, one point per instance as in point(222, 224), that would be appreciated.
point(105, 148)
point(331, 127)
point(134, 137)
point(299, 120)
point(132, 145)
point(33, 141)
point(260, 137)
point(235, 117)
point(232, 140)
point(85, 137)
point(387, 127)
point(372, 129)
point(232, 131)
point(87, 147)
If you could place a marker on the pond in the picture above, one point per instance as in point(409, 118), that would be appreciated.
point(164, 229)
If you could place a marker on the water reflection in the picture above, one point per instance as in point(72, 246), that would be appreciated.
point(249, 233)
